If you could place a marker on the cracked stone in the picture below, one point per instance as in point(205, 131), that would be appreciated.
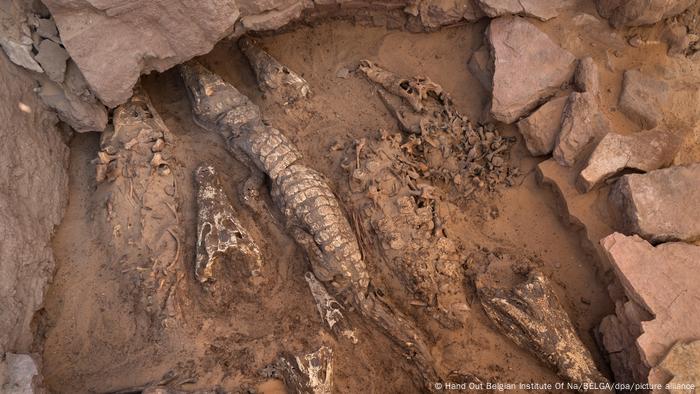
point(582, 127)
point(650, 100)
point(637, 13)
point(586, 76)
point(528, 67)
point(642, 97)
point(52, 58)
point(46, 28)
point(644, 151)
point(541, 128)
point(661, 284)
point(540, 9)
point(661, 205)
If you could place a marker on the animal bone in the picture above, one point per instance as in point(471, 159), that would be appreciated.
point(301, 193)
point(219, 233)
point(330, 309)
point(303, 196)
point(450, 147)
point(414, 90)
point(272, 75)
point(309, 374)
point(530, 315)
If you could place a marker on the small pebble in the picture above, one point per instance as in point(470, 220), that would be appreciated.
point(635, 42)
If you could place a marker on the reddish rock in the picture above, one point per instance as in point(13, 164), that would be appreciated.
point(637, 13)
point(651, 100)
point(528, 67)
point(436, 13)
point(681, 366)
point(617, 335)
point(52, 58)
point(541, 128)
point(661, 283)
point(586, 76)
point(644, 151)
point(642, 98)
point(540, 9)
point(661, 205)
point(481, 66)
point(113, 42)
point(689, 151)
point(15, 36)
point(73, 102)
point(678, 39)
point(582, 127)
point(274, 18)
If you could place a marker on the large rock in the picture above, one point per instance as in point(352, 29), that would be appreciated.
point(640, 12)
point(52, 58)
point(661, 285)
point(436, 13)
point(586, 78)
point(274, 18)
point(74, 102)
point(661, 205)
point(15, 36)
point(678, 39)
point(642, 98)
point(540, 129)
point(652, 101)
point(582, 127)
point(689, 152)
point(528, 67)
point(644, 151)
point(681, 366)
point(113, 42)
point(540, 9)
point(33, 184)
point(617, 335)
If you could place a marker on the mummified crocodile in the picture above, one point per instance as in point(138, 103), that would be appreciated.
point(301, 193)
point(136, 175)
point(284, 84)
point(310, 207)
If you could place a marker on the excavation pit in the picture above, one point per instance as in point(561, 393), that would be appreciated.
point(93, 334)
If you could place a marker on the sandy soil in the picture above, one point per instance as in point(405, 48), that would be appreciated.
point(92, 341)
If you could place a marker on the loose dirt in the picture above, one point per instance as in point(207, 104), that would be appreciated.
point(94, 341)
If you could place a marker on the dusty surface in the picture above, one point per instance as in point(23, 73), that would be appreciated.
point(226, 339)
